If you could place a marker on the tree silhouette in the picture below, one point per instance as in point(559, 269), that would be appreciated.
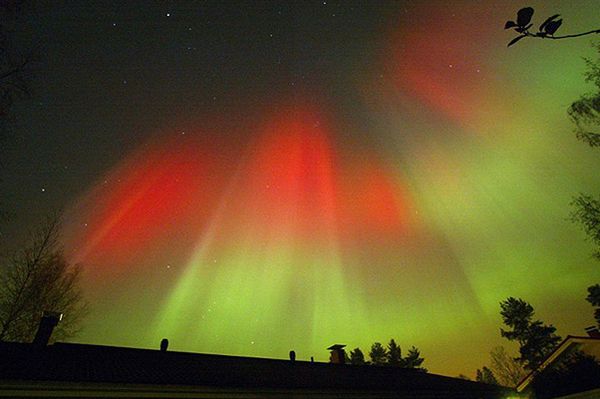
point(587, 214)
point(536, 340)
point(38, 279)
point(585, 114)
point(545, 31)
point(357, 357)
point(394, 354)
point(594, 298)
point(378, 354)
point(413, 359)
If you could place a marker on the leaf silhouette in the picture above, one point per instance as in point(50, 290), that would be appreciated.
point(510, 24)
point(524, 16)
point(522, 29)
point(516, 39)
point(546, 22)
point(553, 26)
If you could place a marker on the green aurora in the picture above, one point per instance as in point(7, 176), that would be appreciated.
point(435, 184)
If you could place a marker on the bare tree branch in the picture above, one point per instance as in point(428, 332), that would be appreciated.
point(522, 25)
point(15, 70)
point(39, 278)
point(543, 36)
point(507, 370)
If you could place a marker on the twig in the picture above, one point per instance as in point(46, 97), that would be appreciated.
point(543, 36)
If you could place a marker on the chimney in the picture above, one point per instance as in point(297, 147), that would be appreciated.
point(164, 344)
point(592, 331)
point(44, 332)
point(338, 354)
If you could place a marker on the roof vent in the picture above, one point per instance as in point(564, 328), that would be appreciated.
point(164, 344)
point(44, 332)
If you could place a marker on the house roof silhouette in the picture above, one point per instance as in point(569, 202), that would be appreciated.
point(79, 370)
point(588, 345)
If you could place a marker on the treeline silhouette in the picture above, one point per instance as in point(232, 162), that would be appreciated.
point(388, 356)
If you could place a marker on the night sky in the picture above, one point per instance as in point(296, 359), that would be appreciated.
point(257, 177)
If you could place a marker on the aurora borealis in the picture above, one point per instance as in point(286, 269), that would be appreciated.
point(252, 179)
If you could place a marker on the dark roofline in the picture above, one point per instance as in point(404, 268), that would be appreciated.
point(96, 364)
point(552, 356)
